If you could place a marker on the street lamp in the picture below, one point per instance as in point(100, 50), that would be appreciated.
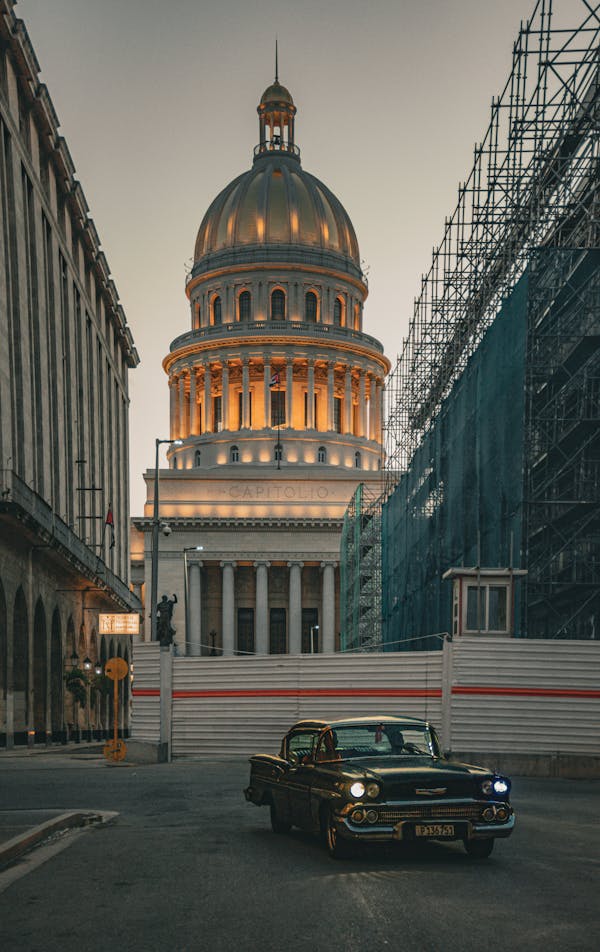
point(155, 531)
point(313, 628)
point(87, 667)
point(189, 548)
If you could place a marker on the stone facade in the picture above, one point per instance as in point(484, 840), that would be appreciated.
point(64, 365)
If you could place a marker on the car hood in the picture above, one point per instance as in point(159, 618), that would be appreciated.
point(413, 768)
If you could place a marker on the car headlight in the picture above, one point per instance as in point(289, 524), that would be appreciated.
point(486, 787)
point(372, 790)
point(357, 789)
point(500, 785)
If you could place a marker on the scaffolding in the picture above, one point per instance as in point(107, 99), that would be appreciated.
point(534, 182)
point(360, 589)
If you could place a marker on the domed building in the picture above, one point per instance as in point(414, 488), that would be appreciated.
point(276, 409)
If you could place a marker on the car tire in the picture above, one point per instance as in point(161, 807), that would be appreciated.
point(336, 846)
point(479, 849)
point(278, 825)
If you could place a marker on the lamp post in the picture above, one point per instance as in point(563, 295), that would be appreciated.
point(189, 548)
point(87, 667)
point(154, 555)
point(313, 628)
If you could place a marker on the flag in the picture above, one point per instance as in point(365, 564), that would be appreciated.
point(274, 379)
point(110, 522)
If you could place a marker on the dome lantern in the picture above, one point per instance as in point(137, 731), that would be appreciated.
point(276, 112)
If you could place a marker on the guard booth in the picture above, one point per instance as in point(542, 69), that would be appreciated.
point(483, 600)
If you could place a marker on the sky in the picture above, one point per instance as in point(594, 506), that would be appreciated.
point(157, 101)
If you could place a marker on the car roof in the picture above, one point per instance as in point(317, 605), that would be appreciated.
point(350, 721)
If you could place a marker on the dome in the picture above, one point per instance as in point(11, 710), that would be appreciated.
point(277, 203)
point(276, 93)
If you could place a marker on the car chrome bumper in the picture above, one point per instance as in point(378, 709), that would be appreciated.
point(403, 829)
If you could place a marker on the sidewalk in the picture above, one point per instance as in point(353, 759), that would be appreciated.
point(21, 830)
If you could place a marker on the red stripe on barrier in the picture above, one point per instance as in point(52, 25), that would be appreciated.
point(310, 692)
point(146, 692)
point(525, 692)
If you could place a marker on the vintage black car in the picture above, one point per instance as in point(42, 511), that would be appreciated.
point(376, 780)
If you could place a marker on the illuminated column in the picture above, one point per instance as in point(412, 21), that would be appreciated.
point(182, 408)
point(289, 388)
point(310, 397)
point(362, 404)
point(267, 393)
point(207, 387)
point(330, 394)
point(193, 636)
point(372, 409)
point(245, 394)
point(225, 395)
point(173, 407)
point(262, 607)
point(228, 609)
point(348, 401)
point(295, 608)
point(193, 404)
point(328, 608)
point(378, 417)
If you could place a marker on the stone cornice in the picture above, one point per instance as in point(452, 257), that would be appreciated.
point(200, 524)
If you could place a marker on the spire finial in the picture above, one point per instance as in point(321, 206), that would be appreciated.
point(276, 63)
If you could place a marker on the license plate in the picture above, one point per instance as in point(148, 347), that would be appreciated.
point(435, 829)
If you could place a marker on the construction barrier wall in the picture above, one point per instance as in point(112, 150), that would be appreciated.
point(486, 696)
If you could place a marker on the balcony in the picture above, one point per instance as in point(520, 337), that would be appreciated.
point(312, 332)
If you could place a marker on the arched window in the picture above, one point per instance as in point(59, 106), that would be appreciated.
point(357, 460)
point(216, 309)
point(321, 455)
point(278, 305)
point(245, 306)
point(234, 454)
point(197, 458)
point(310, 307)
point(337, 312)
point(278, 454)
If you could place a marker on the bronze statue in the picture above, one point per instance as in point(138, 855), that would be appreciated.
point(164, 611)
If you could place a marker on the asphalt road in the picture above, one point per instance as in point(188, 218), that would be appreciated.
point(189, 866)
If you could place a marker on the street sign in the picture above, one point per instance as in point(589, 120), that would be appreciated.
point(119, 623)
point(115, 750)
point(116, 669)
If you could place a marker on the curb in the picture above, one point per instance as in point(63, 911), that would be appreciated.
point(14, 848)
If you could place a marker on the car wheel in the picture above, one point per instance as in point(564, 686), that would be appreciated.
point(479, 849)
point(336, 846)
point(278, 825)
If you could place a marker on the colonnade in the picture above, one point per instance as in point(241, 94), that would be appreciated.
point(195, 637)
point(194, 389)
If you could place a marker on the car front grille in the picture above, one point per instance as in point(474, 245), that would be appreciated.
point(467, 811)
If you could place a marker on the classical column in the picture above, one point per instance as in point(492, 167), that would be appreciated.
point(328, 609)
point(310, 397)
point(207, 400)
point(183, 432)
point(262, 607)
point(245, 394)
point(348, 401)
point(267, 391)
point(228, 610)
point(295, 608)
point(362, 404)
point(330, 394)
point(289, 393)
point(193, 404)
point(372, 409)
point(378, 416)
point(225, 395)
point(173, 392)
point(193, 635)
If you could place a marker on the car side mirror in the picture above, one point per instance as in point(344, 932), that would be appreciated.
point(293, 758)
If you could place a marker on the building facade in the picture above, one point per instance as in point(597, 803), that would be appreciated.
point(275, 409)
point(64, 365)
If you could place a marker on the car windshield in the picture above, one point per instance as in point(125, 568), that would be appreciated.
point(376, 740)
